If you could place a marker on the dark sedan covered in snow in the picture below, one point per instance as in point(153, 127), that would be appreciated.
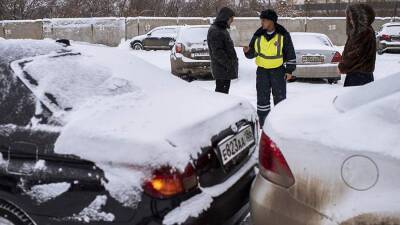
point(90, 135)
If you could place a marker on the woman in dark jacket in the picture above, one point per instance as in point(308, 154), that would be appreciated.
point(224, 61)
point(359, 53)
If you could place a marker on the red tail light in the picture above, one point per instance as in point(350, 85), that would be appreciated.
point(273, 165)
point(337, 57)
point(178, 47)
point(385, 37)
point(167, 182)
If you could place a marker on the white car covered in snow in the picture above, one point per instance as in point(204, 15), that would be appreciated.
point(92, 135)
point(335, 160)
point(316, 56)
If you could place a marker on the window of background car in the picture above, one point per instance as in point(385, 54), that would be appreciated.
point(194, 35)
point(299, 40)
point(392, 30)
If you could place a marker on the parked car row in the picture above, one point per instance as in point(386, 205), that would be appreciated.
point(190, 59)
point(317, 57)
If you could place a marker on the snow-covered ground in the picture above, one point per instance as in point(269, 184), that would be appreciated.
point(245, 86)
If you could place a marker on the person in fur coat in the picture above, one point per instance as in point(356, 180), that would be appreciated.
point(359, 54)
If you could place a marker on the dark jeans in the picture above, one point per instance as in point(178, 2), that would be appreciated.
point(222, 86)
point(269, 80)
point(358, 79)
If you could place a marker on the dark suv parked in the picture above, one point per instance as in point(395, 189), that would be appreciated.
point(159, 38)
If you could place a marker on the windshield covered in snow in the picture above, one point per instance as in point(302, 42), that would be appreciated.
point(392, 30)
point(67, 80)
point(301, 40)
point(193, 35)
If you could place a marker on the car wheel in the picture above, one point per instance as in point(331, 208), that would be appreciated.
point(137, 46)
point(12, 215)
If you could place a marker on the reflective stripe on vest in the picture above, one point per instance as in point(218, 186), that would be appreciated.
point(269, 53)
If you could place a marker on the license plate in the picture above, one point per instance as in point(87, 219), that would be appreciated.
point(233, 146)
point(312, 59)
point(200, 54)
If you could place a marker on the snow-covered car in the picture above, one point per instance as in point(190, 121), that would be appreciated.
point(335, 161)
point(159, 38)
point(316, 56)
point(92, 135)
point(190, 57)
point(389, 38)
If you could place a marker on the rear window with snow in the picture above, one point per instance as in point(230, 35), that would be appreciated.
point(67, 80)
point(193, 35)
point(314, 40)
point(392, 30)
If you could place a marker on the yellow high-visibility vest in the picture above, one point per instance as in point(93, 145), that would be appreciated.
point(269, 53)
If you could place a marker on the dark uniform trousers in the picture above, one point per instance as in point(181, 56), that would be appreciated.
point(269, 80)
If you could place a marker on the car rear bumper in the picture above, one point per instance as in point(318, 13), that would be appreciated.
point(191, 67)
point(228, 208)
point(317, 71)
point(273, 205)
point(387, 46)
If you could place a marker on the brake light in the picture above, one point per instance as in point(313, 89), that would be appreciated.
point(385, 37)
point(273, 165)
point(178, 48)
point(337, 57)
point(167, 182)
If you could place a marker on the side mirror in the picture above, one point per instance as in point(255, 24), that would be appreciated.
point(148, 34)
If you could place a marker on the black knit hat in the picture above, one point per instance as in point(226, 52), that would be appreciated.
point(269, 14)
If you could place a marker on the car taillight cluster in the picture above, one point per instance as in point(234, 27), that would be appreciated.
point(167, 182)
point(273, 165)
point(178, 48)
point(337, 57)
point(385, 37)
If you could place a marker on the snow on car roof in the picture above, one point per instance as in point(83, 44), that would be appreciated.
point(391, 24)
point(304, 40)
point(371, 127)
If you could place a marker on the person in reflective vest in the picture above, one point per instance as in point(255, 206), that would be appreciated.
point(273, 49)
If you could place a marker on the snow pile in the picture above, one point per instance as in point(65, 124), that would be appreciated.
point(144, 128)
point(124, 184)
point(372, 126)
point(15, 49)
point(40, 165)
point(69, 78)
point(194, 206)
point(94, 213)
point(45, 192)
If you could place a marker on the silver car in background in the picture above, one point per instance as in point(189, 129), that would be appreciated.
point(388, 38)
point(190, 58)
point(316, 56)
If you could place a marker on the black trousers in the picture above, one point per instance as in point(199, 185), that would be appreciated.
point(222, 86)
point(358, 79)
point(269, 80)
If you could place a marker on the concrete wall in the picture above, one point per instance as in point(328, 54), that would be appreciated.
point(335, 29)
point(110, 31)
point(22, 29)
